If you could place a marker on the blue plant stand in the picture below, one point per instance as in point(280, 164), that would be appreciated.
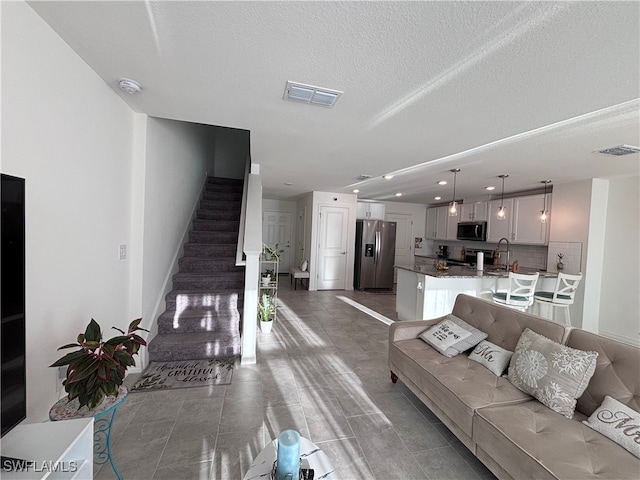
point(103, 416)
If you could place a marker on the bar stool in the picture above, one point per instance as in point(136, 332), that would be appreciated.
point(561, 297)
point(519, 295)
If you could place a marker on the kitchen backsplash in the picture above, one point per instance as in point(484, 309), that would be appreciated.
point(530, 256)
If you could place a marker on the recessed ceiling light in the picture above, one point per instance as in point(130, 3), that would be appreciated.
point(130, 86)
point(398, 194)
point(489, 188)
point(288, 184)
point(387, 177)
point(442, 182)
point(437, 198)
point(355, 190)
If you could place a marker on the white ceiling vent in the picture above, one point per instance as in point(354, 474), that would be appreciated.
point(620, 150)
point(299, 92)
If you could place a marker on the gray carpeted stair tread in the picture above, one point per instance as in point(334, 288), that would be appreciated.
point(213, 237)
point(210, 250)
point(194, 321)
point(192, 346)
point(216, 225)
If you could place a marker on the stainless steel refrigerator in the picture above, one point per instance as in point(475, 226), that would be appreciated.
point(375, 254)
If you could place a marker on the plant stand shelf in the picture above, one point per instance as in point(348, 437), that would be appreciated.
point(270, 288)
point(103, 416)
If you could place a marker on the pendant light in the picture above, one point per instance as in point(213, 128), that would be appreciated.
point(544, 213)
point(453, 206)
point(502, 211)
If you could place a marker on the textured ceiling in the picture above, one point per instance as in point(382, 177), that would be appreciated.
point(530, 89)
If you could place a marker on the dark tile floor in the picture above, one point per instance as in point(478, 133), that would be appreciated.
point(323, 372)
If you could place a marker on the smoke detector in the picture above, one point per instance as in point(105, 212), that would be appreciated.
point(620, 150)
point(362, 178)
point(299, 92)
point(129, 86)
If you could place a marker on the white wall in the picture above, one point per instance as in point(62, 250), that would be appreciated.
point(176, 164)
point(231, 147)
point(70, 136)
point(418, 214)
point(620, 296)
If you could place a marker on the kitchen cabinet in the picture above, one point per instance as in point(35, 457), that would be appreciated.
point(439, 225)
point(522, 225)
point(370, 211)
point(473, 212)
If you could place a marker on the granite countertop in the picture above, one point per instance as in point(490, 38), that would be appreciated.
point(456, 271)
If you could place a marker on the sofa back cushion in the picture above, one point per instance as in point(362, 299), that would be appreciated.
point(616, 372)
point(504, 325)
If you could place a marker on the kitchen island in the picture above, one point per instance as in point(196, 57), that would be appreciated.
point(424, 292)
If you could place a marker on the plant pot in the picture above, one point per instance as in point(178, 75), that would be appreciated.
point(265, 327)
point(265, 281)
point(559, 266)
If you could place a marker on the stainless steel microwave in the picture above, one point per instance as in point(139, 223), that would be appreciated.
point(474, 231)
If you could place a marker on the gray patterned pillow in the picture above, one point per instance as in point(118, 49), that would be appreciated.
point(618, 422)
point(492, 356)
point(555, 374)
point(452, 336)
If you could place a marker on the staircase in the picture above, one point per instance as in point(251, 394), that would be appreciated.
point(202, 317)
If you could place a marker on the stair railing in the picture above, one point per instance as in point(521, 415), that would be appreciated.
point(252, 248)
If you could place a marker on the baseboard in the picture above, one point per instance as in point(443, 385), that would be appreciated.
point(620, 338)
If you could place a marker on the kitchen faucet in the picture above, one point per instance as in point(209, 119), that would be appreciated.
point(498, 251)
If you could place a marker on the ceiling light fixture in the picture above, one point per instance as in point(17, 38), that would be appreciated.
point(437, 198)
point(301, 93)
point(544, 213)
point(398, 194)
point(387, 177)
point(490, 188)
point(442, 182)
point(129, 86)
point(453, 206)
point(502, 212)
point(355, 190)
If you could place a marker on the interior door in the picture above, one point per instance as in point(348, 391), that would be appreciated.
point(332, 248)
point(404, 239)
point(276, 228)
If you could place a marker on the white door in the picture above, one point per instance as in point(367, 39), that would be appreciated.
point(276, 228)
point(404, 237)
point(332, 248)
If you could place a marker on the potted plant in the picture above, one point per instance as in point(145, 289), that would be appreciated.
point(560, 264)
point(272, 253)
point(266, 309)
point(97, 369)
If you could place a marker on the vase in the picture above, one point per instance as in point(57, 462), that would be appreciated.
point(265, 327)
point(559, 266)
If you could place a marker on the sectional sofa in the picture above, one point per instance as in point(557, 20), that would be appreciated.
point(512, 433)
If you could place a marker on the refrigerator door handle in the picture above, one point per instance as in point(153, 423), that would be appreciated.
point(377, 248)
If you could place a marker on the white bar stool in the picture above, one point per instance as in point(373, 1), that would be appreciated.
point(561, 297)
point(520, 292)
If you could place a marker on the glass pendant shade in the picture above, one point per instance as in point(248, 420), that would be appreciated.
point(453, 206)
point(544, 213)
point(502, 211)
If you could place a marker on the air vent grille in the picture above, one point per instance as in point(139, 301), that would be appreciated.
point(620, 150)
point(362, 178)
point(301, 93)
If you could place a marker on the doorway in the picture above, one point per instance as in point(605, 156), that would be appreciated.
point(276, 228)
point(332, 248)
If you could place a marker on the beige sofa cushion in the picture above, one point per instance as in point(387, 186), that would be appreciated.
point(617, 371)
point(457, 385)
point(532, 441)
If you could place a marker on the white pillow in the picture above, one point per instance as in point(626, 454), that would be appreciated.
point(304, 265)
point(452, 336)
point(618, 422)
point(492, 356)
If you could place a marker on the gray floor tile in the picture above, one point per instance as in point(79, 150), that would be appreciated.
point(445, 464)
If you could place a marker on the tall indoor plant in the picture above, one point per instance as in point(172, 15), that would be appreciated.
point(266, 309)
point(98, 368)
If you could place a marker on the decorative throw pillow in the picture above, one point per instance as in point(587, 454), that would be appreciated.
point(618, 422)
point(492, 356)
point(304, 265)
point(555, 374)
point(452, 336)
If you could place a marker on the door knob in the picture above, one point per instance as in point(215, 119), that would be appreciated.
point(343, 253)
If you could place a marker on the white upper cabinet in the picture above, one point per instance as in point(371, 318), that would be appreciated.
point(527, 227)
point(498, 229)
point(440, 226)
point(370, 211)
point(473, 212)
point(522, 223)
